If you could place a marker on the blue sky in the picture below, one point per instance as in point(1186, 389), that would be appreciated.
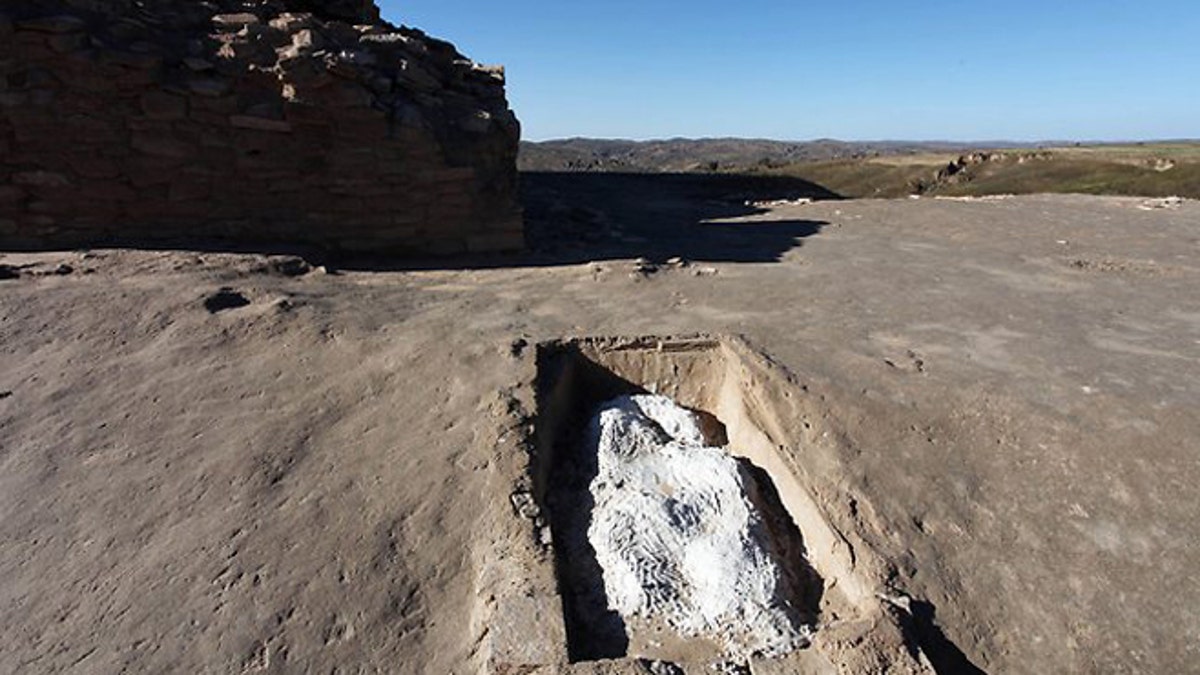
point(849, 69)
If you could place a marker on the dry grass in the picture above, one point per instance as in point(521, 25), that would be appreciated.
point(1151, 170)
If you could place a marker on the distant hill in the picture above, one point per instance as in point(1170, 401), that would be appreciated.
point(718, 154)
point(897, 168)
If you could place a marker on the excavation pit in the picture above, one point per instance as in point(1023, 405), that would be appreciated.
point(669, 547)
point(740, 401)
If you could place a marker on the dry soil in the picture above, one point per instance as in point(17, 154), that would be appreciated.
point(286, 475)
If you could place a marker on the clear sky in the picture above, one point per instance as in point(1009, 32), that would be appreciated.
point(846, 69)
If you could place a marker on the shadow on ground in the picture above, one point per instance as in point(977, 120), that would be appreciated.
point(574, 218)
point(945, 656)
point(577, 217)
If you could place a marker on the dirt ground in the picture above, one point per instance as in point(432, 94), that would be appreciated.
point(287, 476)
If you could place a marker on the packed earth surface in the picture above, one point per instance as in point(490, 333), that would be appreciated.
point(230, 461)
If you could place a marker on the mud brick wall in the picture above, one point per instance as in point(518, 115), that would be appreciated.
point(278, 122)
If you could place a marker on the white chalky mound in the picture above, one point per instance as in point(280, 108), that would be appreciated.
point(676, 535)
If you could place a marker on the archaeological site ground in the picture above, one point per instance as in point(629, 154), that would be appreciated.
point(299, 374)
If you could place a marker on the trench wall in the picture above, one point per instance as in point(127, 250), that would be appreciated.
point(770, 419)
point(277, 122)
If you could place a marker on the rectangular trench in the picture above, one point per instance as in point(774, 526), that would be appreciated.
point(737, 392)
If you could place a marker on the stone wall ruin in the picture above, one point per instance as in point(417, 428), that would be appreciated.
point(298, 122)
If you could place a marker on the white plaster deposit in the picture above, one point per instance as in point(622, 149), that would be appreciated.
point(677, 536)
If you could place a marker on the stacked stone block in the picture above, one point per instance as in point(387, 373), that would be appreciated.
point(286, 122)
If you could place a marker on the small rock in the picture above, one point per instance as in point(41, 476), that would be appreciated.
point(898, 600)
point(290, 23)
point(63, 270)
point(644, 267)
point(235, 20)
point(517, 348)
point(479, 122)
point(9, 272)
point(655, 667)
point(308, 39)
point(1164, 203)
point(490, 72)
point(356, 57)
point(288, 265)
point(705, 271)
point(525, 506)
point(779, 202)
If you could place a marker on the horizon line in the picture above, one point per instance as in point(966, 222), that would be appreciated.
point(1093, 141)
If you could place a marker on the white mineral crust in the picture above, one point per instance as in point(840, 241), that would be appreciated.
point(676, 534)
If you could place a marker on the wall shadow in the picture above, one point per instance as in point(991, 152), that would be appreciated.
point(569, 387)
point(574, 218)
